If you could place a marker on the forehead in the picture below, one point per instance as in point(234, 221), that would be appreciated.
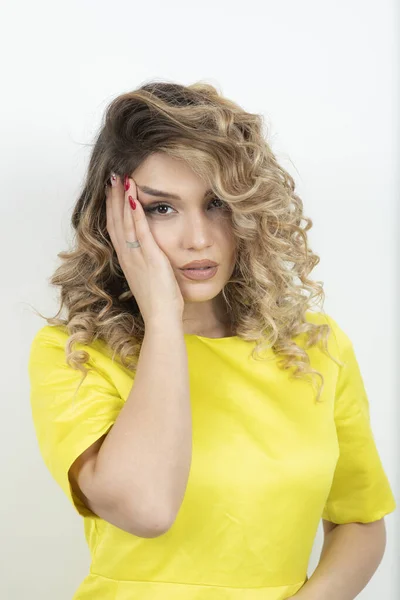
point(163, 176)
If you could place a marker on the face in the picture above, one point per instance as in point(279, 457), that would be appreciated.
point(194, 227)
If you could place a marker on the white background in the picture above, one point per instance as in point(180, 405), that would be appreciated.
point(325, 76)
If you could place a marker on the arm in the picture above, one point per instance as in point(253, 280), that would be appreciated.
point(350, 555)
point(146, 456)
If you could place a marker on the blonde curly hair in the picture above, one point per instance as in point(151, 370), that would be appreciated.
point(226, 147)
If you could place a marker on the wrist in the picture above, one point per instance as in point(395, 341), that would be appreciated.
point(165, 323)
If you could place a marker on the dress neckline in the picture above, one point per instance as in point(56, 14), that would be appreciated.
point(210, 339)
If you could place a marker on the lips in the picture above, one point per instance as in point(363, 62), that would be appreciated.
point(200, 274)
point(199, 264)
point(197, 268)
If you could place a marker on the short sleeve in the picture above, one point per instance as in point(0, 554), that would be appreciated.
point(360, 491)
point(67, 424)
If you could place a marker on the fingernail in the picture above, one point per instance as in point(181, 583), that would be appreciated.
point(132, 202)
point(126, 183)
point(113, 179)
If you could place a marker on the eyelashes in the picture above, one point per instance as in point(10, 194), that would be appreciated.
point(153, 208)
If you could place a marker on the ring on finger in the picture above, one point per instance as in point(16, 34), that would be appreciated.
point(135, 244)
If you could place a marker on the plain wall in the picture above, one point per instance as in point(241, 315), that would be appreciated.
point(323, 74)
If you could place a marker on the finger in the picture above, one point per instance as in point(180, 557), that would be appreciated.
point(130, 234)
point(136, 221)
point(117, 208)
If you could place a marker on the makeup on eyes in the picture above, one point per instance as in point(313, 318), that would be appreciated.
point(152, 208)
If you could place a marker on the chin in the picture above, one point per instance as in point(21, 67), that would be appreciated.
point(200, 290)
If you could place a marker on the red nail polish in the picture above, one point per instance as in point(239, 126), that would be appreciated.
point(132, 202)
point(126, 183)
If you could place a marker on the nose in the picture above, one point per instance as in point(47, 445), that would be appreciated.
point(197, 232)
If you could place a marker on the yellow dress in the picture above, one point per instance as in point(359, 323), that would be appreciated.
point(268, 463)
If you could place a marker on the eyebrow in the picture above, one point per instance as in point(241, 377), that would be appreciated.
point(161, 194)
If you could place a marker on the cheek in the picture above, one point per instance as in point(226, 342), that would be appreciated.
point(229, 251)
point(231, 241)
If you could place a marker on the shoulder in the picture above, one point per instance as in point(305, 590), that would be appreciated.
point(56, 336)
point(338, 338)
point(319, 318)
point(48, 351)
point(338, 343)
point(46, 342)
point(50, 334)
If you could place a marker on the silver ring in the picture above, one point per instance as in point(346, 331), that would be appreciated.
point(133, 244)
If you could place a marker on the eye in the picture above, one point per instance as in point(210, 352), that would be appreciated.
point(154, 207)
point(218, 200)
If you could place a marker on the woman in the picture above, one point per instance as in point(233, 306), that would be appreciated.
point(193, 445)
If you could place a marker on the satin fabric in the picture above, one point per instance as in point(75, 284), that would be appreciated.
point(268, 463)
